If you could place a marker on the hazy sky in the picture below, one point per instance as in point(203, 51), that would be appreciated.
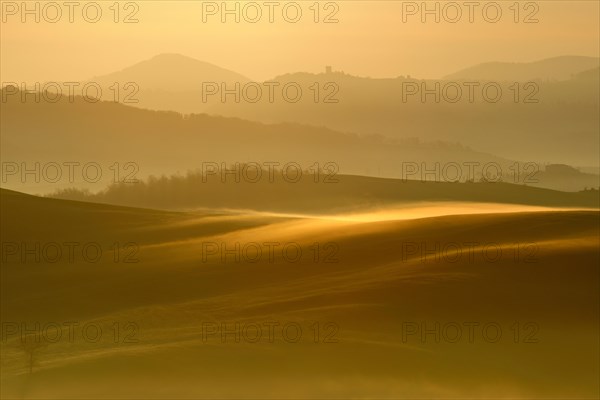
point(369, 39)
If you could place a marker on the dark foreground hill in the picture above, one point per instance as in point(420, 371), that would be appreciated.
point(322, 193)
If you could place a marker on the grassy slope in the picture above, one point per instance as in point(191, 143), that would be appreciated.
point(368, 293)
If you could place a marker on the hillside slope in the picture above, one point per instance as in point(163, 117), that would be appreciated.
point(369, 299)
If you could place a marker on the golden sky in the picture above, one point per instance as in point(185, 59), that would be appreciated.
point(369, 39)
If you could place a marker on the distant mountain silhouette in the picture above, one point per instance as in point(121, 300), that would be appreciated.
point(592, 75)
point(559, 125)
point(170, 72)
point(556, 68)
point(565, 107)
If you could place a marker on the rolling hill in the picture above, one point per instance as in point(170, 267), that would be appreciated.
point(362, 316)
point(166, 143)
point(321, 194)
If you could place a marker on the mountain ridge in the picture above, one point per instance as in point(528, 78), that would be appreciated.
point(553, 68)
point(170, 71)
